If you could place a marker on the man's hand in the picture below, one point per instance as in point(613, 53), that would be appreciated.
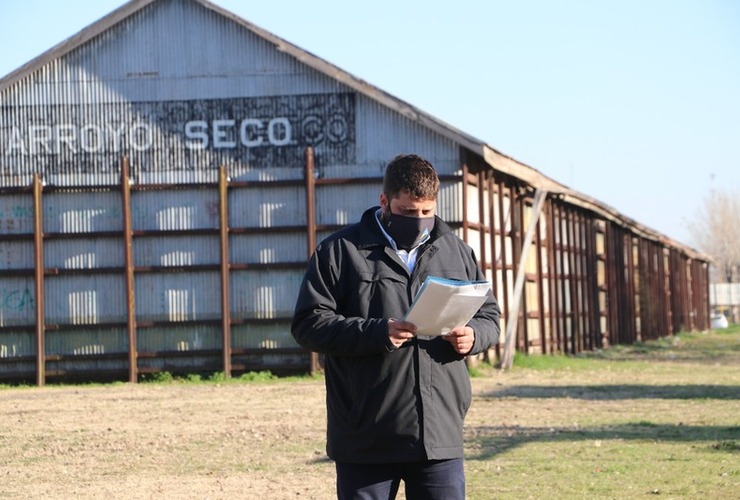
point(462, 339)
point(400, 332)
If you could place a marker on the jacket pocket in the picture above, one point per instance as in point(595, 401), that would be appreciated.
point(381, 295)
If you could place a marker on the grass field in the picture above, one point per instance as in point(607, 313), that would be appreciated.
point(659, 419)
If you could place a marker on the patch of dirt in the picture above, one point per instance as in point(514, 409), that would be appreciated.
point(267, 440)
point(165, 441)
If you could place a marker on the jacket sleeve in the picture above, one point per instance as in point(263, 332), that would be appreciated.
point(318, 324)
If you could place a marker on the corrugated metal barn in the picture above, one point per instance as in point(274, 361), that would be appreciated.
point(166, 172)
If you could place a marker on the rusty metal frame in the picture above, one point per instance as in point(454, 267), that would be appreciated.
point(310, 193)
point(223, 212)
point(648, 289)
point(128, 252)
point(38, 244)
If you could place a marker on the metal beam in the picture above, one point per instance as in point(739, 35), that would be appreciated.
point(128, 252)
point(223, 212)
point(38, 243)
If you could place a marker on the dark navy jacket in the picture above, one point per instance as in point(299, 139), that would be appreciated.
point(386, 404)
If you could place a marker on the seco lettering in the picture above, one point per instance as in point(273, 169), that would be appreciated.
point(229, 134)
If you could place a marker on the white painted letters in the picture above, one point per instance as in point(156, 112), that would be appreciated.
point(197, 134)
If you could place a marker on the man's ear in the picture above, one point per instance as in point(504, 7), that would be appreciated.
point(383, 201)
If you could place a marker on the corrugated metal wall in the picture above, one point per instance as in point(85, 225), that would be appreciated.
point(162, 185)
point(588, 282)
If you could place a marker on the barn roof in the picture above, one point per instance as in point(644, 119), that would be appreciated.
point(491, 157)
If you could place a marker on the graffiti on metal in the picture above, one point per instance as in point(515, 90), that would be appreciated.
point(259, 132)
point(17, 300)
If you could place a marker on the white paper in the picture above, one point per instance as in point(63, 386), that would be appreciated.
point(442, 304)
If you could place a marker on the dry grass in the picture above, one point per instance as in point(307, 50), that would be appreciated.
point(653, 419)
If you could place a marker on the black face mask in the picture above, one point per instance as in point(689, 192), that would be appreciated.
point(407, 231)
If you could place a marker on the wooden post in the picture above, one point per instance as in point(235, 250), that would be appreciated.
point(502, 219)
point(508, 356)
point(573, 281)
point(38, 243)
point(128, 252)
point(309, 175)
point(541, 291)
point(552, 280)
point(482, 223)
point(465, 225)
point(223, 203)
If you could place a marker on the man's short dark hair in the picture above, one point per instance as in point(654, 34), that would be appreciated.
point(411, 173)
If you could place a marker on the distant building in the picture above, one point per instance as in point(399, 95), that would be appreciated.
point(725, 299)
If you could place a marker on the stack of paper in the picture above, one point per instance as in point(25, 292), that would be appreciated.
point(443, 304)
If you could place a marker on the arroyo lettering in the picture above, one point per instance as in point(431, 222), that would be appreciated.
point(72, 138)
point(259, 131)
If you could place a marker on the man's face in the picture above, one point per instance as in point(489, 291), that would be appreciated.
point(407, 205)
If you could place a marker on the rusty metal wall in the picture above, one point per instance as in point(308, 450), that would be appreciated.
point(261, 206)
point(83, 253)
point(86, 299)
point(183, 338)
point(87, 341)
point(589, 283)
point(268, 294)
point(17, 301)
point(265, 335)
point(15, 344)
point(175, 250)
point(178, 296)
point(16, 254)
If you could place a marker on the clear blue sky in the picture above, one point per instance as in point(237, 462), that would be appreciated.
point(633, 102)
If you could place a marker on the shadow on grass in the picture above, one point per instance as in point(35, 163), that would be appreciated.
point(489, 441)
point(619, 392)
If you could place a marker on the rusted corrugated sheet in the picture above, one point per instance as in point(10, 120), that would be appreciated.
point(168, 210)
point(269, 336)
point(176, 250)
point(17, 301)
point(82, 212)
point(267, 206)
point(84, 299)
point(16, 214)
point(14, 344)
point(449, 202)
point(387, 134)
point(267, 248)
point(179, 296)
point(180, 338)
point(84, 253)
point(344, 204)
point(264, 294)
point(86, 342)
point(16, 254)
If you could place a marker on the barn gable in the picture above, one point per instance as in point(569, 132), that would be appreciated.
point(182, 88)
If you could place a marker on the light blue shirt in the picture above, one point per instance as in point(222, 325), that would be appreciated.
point(408, 257)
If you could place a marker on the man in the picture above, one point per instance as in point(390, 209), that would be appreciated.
point(395, 402)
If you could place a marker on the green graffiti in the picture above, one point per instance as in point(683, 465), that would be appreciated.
point(17, 299)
